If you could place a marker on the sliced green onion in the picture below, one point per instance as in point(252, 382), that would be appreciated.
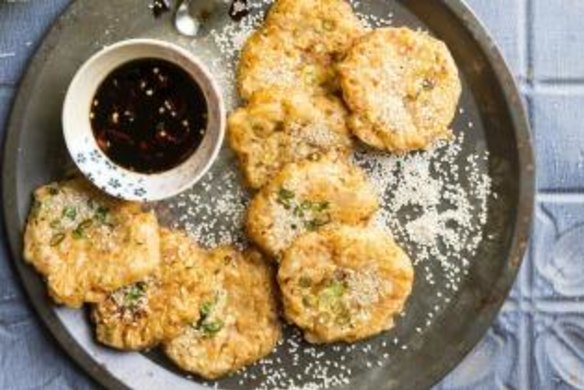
point(57, 239)
point(79, 231)
point(101, 214)
point(69, 212)
point(285, 197)
point(305, 281)
point(206, 309)
point(212, 327)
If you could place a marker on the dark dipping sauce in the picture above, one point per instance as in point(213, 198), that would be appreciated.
point(149, 115)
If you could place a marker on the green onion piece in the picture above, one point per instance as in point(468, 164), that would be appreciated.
point(101, 214)
point(285, 194)
point(79, 231)
point(298, 212)
point(338, 289)
point(206, 309)
point(134, 294)
point(314, 224)
point(69, 212)
point(85, 224)
point(335, 289)
point(285, 197)
point(321, 206)
point(212, 327)
point(343, 318)
point(57, 239)
point(310, 225)
point(305, 281)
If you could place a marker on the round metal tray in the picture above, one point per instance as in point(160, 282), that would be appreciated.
point(35, 154)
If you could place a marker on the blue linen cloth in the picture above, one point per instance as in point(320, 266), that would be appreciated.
point(537, 341)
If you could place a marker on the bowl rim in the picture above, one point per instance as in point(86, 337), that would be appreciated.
point(137, 186)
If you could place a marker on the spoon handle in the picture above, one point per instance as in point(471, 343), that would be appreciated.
point(184, 22)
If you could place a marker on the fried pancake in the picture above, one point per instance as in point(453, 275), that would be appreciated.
point(402, 88)
point(142, 315)
point(88, 244)
point(298, 46)
point(305, 196)
point(238, 325)
point(344, 283)
point(280, 126)
point(322, 27)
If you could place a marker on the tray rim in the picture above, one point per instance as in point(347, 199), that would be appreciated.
point(501, 288)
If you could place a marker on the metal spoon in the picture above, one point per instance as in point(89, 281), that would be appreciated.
point(191, 15)
point(184, 21)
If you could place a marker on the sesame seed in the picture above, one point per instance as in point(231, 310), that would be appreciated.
point(425, 205)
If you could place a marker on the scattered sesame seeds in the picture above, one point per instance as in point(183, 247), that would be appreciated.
point(434, 202)
point(433, 212)
point(369, 19)
point(212, 212)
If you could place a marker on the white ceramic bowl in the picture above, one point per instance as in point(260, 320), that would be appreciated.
point(96, 166)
